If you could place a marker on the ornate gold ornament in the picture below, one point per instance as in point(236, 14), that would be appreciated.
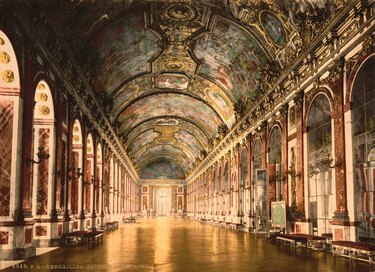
point(180, 12)
point(75, 129)
point(43, 97)
point(2, 41)
point(44, 110)
point(7, 76)
point(41, 86)
point(174, 65)
point(75, 138)
point(4, 57)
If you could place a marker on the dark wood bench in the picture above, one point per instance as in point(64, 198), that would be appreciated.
point(354, 250)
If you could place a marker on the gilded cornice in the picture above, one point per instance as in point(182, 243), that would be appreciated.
point(332, 43)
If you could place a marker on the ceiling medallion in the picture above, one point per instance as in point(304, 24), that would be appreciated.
point(180, 12)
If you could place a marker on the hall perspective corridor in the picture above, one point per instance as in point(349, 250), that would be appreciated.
point(174, 244)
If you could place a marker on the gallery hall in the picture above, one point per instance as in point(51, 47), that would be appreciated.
point(187, 135)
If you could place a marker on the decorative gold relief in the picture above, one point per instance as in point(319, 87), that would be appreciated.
point(43, 97)
point(44, 110)
point(75, 129)
point(4, 57)
point(41, 86)
point(180, 12)
point(89, 149)
point(1, 41)
point(75, 138)
point(7, 76)
point(174, 65)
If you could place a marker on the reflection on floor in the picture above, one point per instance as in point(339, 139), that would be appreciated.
point(170, 244)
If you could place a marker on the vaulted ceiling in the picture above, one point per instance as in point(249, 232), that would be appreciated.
point(175, 75)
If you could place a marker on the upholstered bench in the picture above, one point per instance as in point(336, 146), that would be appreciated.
point(354, 250)
point(112, 225)
point(93, 237)
point(74, 238)
point(291, 239)
point(313, 241)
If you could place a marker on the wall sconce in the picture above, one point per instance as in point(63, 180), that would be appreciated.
point(74, 173)
point(41, 156)
point(321, 166)
point(97, 183)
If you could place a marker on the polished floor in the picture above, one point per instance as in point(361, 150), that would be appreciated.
point(169, 244)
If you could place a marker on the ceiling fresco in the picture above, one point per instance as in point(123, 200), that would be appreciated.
point(170, 74)
point(122, 50)
point(172, 152)
point(172, 81)
point(163, 169)
point(231, 60)
point(170, 104)
point(133, 143)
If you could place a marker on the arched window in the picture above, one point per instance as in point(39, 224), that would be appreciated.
point(76, 164)
point(257, 155)
point(9, 118)
point(274, 166)
point(259, 189)
point(243, 167)
point(89, 176)
point(226, 177)
point(99, 179)
point(363, 127)
point(213, 182)
point(319, 158)
point(44, 134)
point(219, 180)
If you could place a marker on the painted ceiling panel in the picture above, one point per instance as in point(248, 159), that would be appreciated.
point(200, 137)
point(166, 150)
point(168, 146)
point(187, 139)
point(130, 91)
point(166, 134)
point(171, 81)
point(170, 104)
point(232, 60)
point(163, 169)
point(141, 140)
point(217, 97)
point(122, 50)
